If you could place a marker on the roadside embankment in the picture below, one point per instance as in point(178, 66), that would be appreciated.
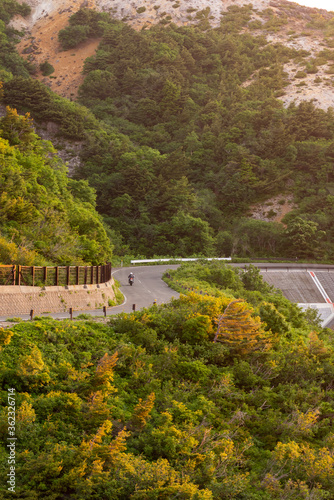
point(51, 299)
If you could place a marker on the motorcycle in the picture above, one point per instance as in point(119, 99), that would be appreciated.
point(131, 280)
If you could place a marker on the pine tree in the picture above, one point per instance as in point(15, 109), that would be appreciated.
point(239, 330)
point(141, 413)
point(104, 372)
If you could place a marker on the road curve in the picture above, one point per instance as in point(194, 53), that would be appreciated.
point(147, 288)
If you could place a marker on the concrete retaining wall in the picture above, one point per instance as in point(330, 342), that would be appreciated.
point(21, 299)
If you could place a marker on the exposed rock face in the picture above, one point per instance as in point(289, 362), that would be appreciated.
point(145, 12)
point(48, 17)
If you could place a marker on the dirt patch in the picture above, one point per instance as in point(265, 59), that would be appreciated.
point(274, 209)
point(41, 44)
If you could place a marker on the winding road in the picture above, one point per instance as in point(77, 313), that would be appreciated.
point(147, 288)
point(305, 284)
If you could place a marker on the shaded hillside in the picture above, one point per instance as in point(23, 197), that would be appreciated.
point(45, 217)
point(191, 134)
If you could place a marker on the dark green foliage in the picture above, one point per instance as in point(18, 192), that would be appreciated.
point(31, 95)
point(180, 90)
point(99, 85)
point(303, 237)
point(10, 62)
point(215, 276)
point(84, 24)
point(46, 68)
point(192, 135)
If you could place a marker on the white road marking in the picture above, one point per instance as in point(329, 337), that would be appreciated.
point(320, 287)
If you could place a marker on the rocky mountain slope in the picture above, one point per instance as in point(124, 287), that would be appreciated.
point(279, 20)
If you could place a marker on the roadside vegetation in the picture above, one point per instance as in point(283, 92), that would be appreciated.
point(45, 217)
point(221, 395)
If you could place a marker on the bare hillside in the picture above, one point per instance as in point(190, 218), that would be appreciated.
point(295, 26)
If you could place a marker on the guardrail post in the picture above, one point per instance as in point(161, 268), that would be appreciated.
point(105, 311)
point(31, 314)
point(71, 312)
point(18, 275)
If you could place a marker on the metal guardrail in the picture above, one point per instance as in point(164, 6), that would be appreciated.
point(145, 261)
point(55, 275)
point(7, 275)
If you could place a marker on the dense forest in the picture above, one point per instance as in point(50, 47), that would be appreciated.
point(226, 146)
point(224, 395)
point(185, 132)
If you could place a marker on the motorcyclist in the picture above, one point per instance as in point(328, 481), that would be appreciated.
point(131, 277)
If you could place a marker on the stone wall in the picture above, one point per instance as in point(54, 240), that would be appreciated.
point(21, 299)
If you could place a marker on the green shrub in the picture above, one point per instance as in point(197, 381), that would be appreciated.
point(300, 74)
point(71, 36)
point(255, 25)
point(46, 68)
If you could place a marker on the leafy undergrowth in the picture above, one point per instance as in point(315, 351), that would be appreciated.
point(149, 406)
point(46, 217)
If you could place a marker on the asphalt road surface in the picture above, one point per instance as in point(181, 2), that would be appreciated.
point(147, 288)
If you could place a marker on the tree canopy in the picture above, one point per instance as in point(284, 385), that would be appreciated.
point(183, 135)
point(45, 216)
